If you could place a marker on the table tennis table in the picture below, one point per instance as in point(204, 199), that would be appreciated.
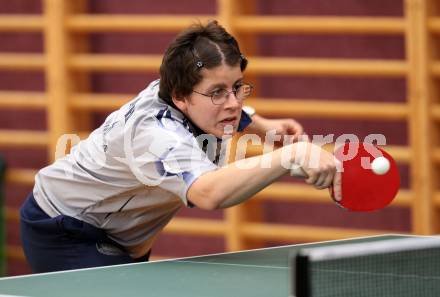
point(262, 272)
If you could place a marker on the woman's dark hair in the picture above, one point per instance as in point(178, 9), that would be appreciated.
point(199, 46)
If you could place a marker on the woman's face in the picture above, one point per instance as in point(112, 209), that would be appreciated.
point(211, 118)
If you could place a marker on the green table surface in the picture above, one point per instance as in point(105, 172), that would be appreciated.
point(262, 272)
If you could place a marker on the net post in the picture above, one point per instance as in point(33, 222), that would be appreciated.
point(301, 275)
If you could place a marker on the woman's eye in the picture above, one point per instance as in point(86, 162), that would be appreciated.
point(216, 93)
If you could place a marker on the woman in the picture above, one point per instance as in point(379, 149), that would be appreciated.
point(106, 201)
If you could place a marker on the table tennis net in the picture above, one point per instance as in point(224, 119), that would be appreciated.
point(400, 267)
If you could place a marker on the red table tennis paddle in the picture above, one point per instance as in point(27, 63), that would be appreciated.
point(369, 180)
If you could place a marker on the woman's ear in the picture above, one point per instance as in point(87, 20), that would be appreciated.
point(180, 103)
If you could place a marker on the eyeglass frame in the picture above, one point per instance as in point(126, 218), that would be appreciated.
point(227, 93)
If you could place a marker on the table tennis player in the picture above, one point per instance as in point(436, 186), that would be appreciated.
point(106, 201)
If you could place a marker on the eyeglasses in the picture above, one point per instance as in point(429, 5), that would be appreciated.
point(218, 97)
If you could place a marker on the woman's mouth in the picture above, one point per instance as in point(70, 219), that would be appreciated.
point(229, 121)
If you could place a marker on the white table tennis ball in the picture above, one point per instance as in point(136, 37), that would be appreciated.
point(380, 165)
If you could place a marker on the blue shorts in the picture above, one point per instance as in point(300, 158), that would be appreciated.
point(63, 242)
